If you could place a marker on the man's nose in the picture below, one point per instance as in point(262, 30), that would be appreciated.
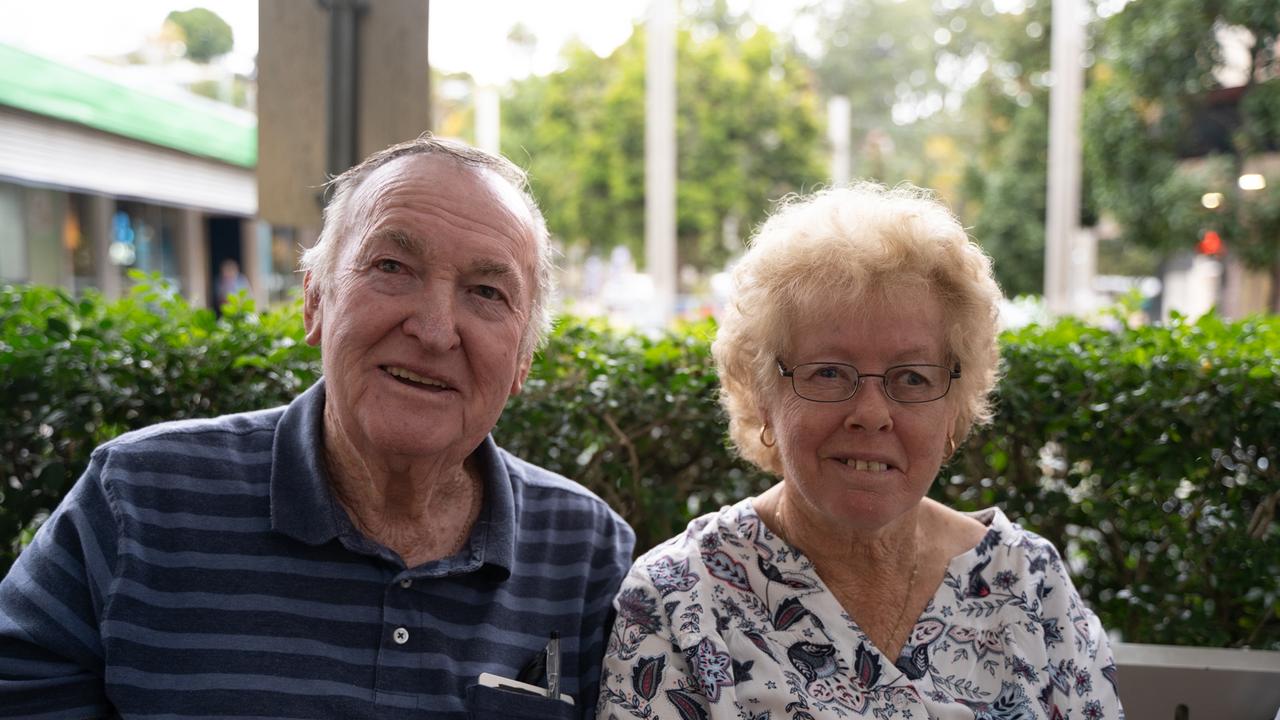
point(433, 320)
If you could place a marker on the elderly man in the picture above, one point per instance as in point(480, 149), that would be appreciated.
point(366, 551)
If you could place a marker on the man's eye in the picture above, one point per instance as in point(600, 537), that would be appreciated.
point(389, 266)
point(488, 292)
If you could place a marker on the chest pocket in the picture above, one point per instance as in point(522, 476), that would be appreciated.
point(486, 703)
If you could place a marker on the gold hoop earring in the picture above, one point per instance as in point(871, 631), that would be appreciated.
point(764, 429)
point(952, 442)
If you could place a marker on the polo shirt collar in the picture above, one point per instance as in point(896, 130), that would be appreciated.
point(303, 506)
point(493, 539)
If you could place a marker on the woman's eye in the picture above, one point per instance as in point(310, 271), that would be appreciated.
point(829, 372)
point(389, 266)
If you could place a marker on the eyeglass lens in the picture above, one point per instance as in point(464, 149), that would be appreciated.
point(832, 382)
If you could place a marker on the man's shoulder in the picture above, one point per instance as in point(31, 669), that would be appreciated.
point(542, 479)
point(567, 494)
point(242, 438)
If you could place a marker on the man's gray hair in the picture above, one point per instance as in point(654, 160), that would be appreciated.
point(319, 259)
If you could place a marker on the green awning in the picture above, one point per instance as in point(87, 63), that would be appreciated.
point(44, 87)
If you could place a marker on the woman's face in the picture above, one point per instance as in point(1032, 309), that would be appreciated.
point(861, 463)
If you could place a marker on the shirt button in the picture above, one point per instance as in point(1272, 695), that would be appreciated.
point(405, 583)
point(401, 636)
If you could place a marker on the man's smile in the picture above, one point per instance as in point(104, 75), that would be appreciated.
point(411, 378)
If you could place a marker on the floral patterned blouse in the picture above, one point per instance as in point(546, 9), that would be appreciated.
point(728, 621)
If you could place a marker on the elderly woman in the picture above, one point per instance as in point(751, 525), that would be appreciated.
point(857, 353)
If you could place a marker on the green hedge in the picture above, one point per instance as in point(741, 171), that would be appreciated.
point(1148, 454)
point(77, 372)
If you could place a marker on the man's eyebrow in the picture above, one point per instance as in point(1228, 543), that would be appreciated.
point(498, 270)
point(404, 240)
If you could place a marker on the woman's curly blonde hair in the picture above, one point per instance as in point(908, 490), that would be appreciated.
point(836, 249)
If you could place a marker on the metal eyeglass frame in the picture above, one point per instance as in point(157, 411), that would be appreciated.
point(953, 373)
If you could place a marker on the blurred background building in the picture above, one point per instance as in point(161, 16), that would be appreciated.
point(98, 176)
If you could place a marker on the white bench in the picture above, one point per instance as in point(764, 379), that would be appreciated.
point(1166, 682)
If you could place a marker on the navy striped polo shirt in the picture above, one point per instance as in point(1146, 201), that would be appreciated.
point(203, 569)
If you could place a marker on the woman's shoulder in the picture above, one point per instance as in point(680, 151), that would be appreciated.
point(715, 546)
point(954, 533)
point(1008, 552)
point(737, 520)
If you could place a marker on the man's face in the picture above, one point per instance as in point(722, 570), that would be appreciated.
point(420, 324)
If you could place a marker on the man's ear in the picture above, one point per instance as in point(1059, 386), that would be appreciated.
point(522, 373)
point(311, 310)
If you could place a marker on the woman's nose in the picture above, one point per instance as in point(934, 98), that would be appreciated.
point(870, 408)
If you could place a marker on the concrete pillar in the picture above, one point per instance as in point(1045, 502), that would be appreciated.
point(1084, 268)
point(839, 125)
point(488, 118)
point(660, 157)
point(252, 262)
point(46, 251)
point(392, 93)
point(108, 278)
point(193, 257)
point(1063, 216)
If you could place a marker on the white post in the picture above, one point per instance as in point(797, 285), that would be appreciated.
point(488, 117)
point(838, 127)
point(1063, 201)
point(660, 157)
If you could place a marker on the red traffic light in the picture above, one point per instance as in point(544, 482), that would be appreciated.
point(1210, 243)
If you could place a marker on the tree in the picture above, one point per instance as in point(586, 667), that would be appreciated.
point(1163, 129)
point(968, 78)
point(881, 55)
point(453, 104)
point(1008, 109)
point(206, 35)
point(747, 132)
point(1010, 198)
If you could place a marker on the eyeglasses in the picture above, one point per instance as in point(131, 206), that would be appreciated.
point(837, 382)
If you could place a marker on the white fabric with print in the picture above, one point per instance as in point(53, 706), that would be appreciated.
point(728, 621)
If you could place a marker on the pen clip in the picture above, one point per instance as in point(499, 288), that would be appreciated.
point(553, 665)
point(535, 671)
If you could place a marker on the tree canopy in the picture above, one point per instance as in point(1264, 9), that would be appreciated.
point(206, 35)
point(1187, 100)
point(958, 92)
point(747, 127)
point(1007, 109)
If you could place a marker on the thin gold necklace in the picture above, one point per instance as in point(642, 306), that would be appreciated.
point(906, 600)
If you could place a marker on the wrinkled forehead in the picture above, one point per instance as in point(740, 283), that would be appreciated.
point(467, 198)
